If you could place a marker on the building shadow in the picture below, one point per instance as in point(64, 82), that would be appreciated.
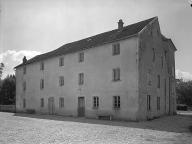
point(180, 123)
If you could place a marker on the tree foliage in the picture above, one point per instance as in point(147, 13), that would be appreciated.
point(8, 90)
point(1, 69)
point(184, 92)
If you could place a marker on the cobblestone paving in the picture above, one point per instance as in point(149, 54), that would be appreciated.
point(34, 129)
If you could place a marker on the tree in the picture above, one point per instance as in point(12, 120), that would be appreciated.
point(7, 92)
point(1, 69)
point(184, 92)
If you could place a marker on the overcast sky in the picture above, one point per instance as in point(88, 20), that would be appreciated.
point(31, 27)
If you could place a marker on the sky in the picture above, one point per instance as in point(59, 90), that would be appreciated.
point(32, 27)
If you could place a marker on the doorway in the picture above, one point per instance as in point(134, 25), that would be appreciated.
point(81, 106)
point(51, 106)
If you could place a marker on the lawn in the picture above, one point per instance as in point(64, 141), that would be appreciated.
point(38, 129)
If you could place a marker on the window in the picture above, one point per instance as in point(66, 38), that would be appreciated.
point(165, 90)
point(24, 86)
point(158, 103)
point(148, 102)
point(42, 102)
point(42, 66)
point(161, 61)
point(42, 84)
point(24, 103)
point(116, 74)
point(165, 54)
point(95, 102)
point(158, 81)
point(116, 101)
point(81, 56)
point(61, 80)
point(116, 49)
point(61, 102)
point(153, 54)
point(81, 78)
point(61, 61)
point(24, 70)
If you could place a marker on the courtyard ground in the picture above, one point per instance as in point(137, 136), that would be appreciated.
point(38, 129)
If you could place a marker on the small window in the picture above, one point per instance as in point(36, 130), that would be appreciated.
point(161, 61)
point(153, 55)
point(24, 86)
point(42, 66)
point(116, 101)
point(116, 49)
point(81, 56)
point(61, 61)
point(158, 103)
point(61, 80)
point(24, 103)
point(165, 55)
point(158, 81)
point(165, 89)
point(81, 78)
point(148, 102)
point(116, 74)
point(42, 84)
point(24, 70)
point(95, 102)
point(42, 102)
point(61, 102)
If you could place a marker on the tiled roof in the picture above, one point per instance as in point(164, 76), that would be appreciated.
point(93, 41)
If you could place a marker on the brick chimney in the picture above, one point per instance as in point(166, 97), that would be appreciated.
point(24, 60)
point(120, 24)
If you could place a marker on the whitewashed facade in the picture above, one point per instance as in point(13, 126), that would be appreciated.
point(96, 82)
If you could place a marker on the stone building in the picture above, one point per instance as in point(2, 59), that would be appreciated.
point(127, 73)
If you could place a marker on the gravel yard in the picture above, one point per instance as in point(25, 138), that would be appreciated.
point(36, 129)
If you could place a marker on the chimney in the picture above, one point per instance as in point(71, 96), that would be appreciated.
point(120, 24)
point(24, 60)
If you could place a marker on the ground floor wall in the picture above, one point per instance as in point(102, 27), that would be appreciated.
point(51, 105)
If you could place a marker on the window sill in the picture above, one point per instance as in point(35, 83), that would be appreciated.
point(116, 80)
point(116, 108)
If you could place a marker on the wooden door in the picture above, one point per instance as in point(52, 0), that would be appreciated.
point(81, 106)
point(51, 105)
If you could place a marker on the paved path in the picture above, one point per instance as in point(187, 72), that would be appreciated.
point(34, 129)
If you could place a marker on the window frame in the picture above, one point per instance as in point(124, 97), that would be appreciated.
point(61, 102)
point(42, 67)
point(61, 61)
point(158, 81)
point(24, 86)
point(158, 103)
point(61, 81)
point(24, 69)
point(95, 102)
point(81, 78)
point(42, 102)
point(116, 74)
point(116, 49)
point(24, 103)
point(148, 102)
point(81, 57)
point(116, 102)
point(41, 84)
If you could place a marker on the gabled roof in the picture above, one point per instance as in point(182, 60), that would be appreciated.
point(90, 42)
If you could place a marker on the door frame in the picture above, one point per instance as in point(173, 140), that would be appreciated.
point(81, 110)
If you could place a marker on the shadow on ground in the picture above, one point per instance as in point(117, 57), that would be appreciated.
point(180, 123)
